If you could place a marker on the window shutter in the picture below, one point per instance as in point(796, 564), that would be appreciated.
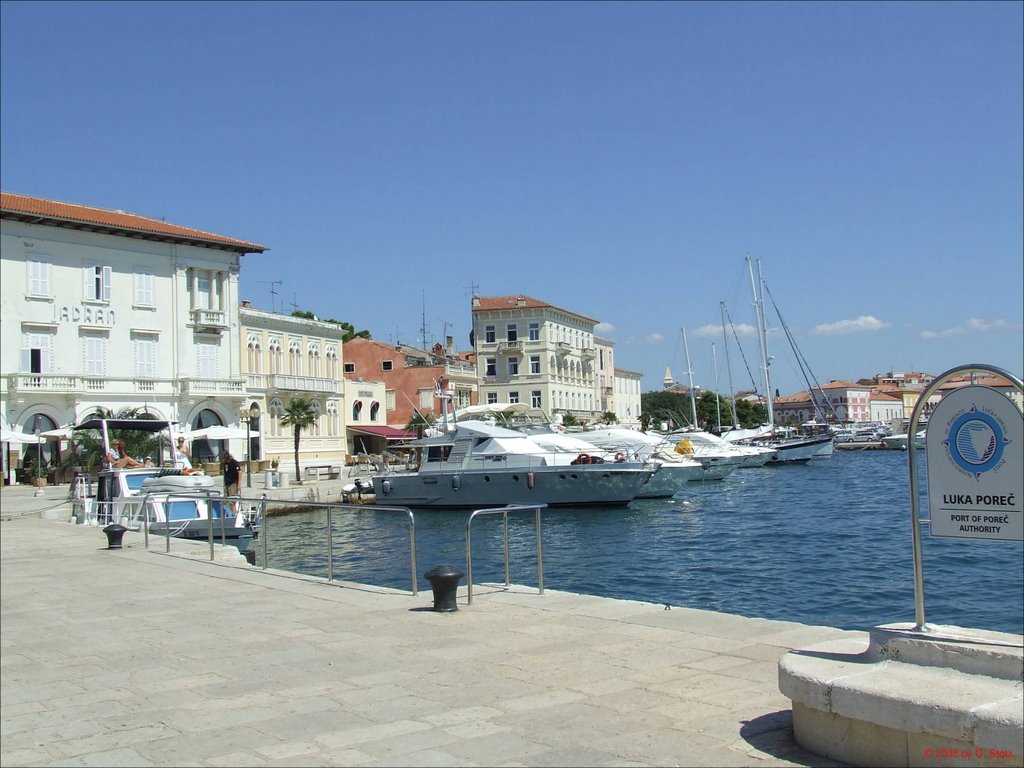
point(88, 282)
point(106, 284)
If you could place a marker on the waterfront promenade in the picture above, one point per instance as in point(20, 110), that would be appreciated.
point(136, 657)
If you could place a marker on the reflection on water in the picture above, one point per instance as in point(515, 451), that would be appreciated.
point(825, 543)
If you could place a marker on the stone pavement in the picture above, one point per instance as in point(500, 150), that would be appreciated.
point(136, 657)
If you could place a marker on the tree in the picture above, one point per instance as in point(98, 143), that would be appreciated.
point(139, 444)
point(419, 422)
point(350, 330)
point(609, 417)
point(298, 415)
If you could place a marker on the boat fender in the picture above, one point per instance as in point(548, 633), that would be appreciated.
point(529, 480)
point(684, 447)
point(386, 487)
point(620, 457)
point(456, 482)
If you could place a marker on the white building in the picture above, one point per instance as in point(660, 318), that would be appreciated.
point(110, 309)
point(528, 351)
point(627, 397)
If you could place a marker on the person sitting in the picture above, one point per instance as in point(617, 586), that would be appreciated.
point(118, 457)
point(182, 457)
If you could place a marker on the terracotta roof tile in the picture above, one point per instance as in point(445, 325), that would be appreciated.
point(484, 303)
point(17, 206)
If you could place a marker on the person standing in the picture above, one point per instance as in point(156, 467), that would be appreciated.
point(232, 471)
point(182, 457)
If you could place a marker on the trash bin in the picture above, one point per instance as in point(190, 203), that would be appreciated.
point(445, 581)
point(270, 479)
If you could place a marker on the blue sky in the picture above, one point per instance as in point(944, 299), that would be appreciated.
point(616, 159)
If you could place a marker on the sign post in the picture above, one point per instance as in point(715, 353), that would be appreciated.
point(975, 444)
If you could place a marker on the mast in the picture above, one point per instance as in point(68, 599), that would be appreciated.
point(762, 335)
point(728, 368)
point(689, 373)
point(718, 399)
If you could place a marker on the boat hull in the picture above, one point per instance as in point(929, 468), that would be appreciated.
point(561, 486)
point(802, 449)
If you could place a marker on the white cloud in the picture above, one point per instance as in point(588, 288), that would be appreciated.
point(653, 338)
point(605, 329)
point(974, 325)
point(715, 331)
point(860, 325)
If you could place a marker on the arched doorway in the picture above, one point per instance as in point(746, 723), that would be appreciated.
point(46, 450)
point(206, 451)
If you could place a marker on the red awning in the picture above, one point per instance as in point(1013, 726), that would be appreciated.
point(389, 433)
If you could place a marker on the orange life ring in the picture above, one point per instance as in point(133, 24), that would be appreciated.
point(620, 457)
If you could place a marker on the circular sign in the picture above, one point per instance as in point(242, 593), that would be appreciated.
point(976, 442)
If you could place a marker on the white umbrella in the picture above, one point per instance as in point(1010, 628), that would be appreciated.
point(12, 436)
point(61, 433)
point(219, 432)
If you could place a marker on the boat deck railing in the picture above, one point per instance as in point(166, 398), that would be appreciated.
point(504, 512)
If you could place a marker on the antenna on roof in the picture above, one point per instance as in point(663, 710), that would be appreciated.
point(294, 298)
point(273, 292)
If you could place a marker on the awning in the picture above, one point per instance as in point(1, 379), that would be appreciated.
point(389, 433)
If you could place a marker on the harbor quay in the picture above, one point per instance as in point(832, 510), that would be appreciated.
point(134, 656)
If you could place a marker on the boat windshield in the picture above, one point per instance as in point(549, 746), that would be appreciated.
point(181, 510)
point(217, 509)
point(134, 480)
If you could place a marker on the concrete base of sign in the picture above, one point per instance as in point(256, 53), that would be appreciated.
point(898, 697)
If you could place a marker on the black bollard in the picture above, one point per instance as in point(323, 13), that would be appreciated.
point(445, 581)
point(114, 533)
point(250, 556)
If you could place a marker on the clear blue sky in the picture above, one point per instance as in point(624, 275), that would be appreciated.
point(616, 159)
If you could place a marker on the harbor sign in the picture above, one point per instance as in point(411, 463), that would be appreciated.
point(975, 450)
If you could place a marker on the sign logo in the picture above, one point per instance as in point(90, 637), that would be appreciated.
point(976, 441)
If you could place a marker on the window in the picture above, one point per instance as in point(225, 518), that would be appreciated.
point(203, 297)
point(489, 334)
point(512, 332)
point(357, 410)
point(254, 358)
point(276, 358)
point(207, 355)
point(332, 362)
point(534, 363)
point(492, 398)
point(387, 365)
point(97, 282)
point(37, 352)
point(94, 348)
point(275, 411)
point(513, 397)
point(294, 358)
point(145, 289)
point(350, 367)
point(317, 411)
point(427, 399)
point(314, 360)
point(534, 331)
point(374, 410)
point(513, 366)
point(38, 278)
point(332, 418)
point(389, 399)
point(492, 366)
point(145, 356)
point(535, 400)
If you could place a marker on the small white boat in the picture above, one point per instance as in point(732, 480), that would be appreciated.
point(899, 442)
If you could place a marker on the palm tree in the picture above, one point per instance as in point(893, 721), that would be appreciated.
point(139, 444)
point(298, 415)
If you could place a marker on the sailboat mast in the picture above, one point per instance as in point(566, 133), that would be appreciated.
point(718, 399)
point(728, 368)
point(762, 338)
point(689, 373)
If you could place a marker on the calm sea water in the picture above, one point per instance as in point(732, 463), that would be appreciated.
point(826, 543)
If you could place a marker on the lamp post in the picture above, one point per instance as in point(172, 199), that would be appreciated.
point(247, 415)
point(39, 457)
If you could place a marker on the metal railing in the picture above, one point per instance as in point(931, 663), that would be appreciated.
point(330, 508)
point(504, 512)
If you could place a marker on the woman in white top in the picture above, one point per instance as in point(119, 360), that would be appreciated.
point(182, 458)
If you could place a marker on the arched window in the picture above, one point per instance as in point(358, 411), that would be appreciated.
point(357, 410)
point(203, 450)
point(313, 350)
point(314, 427)
point(294, 358)
point(255, 354)
point(275, 356)
point(275, 411)
point(374, 410)
point(331, 355)
point(331, 422)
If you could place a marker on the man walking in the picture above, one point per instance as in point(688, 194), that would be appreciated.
point(231, 473)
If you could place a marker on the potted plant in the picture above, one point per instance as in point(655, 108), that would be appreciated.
point(37, 471)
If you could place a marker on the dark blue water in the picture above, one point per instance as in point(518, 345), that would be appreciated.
point(826, 543)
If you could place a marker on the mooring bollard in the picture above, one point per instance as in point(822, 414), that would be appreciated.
point(115, 532)
point(445, 581)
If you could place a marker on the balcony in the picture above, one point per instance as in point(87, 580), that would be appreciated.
point(38, 383)
point(587, 353)
point(208, 319)
point(304, 384)
point(208, 387)
point(563, 347)
point(510, 346)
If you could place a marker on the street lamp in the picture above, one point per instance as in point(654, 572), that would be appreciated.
point(248, 416)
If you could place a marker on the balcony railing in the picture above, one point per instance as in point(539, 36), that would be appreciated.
point(51, 382)
point(304, 384)
point(457, 369)
point(587, 353)
point(510, 346)
point(562, 347)
point(212, 386)
point(209, 318)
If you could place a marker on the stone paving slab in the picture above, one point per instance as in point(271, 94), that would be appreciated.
point(135, 657)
